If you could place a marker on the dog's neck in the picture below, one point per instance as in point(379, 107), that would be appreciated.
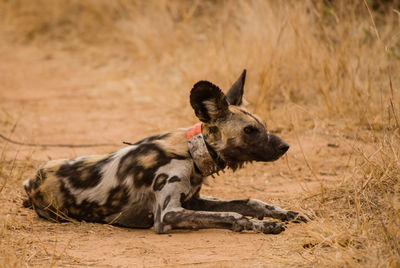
point(205, 158)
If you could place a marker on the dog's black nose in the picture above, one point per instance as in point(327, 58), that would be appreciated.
point(283, 147)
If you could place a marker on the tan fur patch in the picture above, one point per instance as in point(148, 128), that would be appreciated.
point(139, 176)
point(148, 160)
point(175, 143)
point(95, 158)
point(53, 164)
point(50, 193)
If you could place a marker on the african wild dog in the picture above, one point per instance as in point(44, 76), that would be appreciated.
point(157, 181)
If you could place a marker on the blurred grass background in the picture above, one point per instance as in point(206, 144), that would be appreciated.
point(325, 65)
point(334, 57)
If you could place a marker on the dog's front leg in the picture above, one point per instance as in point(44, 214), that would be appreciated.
point(169, 214)
point(247, 207)
point(181, 218)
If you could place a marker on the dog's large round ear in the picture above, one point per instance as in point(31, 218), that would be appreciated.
point(208, 101)
point(235, 94)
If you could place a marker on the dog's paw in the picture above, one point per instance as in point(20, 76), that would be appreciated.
point(296, 217)
point(266, 227)
point(271, 227)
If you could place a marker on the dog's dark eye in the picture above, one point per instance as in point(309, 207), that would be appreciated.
point(250, 130)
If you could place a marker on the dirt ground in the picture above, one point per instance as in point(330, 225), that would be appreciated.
point(60, 98)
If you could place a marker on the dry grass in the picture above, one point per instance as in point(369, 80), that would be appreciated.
point(334, 60)
point(312, 67)
point(360, 217)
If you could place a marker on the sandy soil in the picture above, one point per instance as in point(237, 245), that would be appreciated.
point(57, 98)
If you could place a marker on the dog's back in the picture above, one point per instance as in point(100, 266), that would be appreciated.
point(98, 188)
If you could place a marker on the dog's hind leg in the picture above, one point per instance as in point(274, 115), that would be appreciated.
point(247, 207)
